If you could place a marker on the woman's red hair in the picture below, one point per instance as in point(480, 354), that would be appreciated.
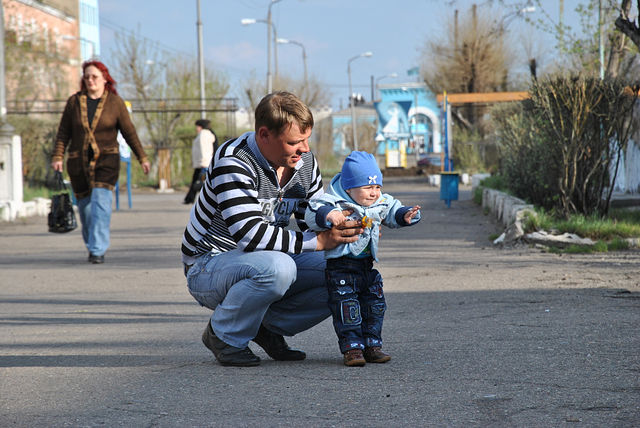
point(110, 84)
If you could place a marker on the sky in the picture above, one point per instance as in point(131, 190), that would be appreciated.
point(332, 32)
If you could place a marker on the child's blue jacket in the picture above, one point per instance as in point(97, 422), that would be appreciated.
point(386, 210)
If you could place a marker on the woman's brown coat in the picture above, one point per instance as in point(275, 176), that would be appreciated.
point(75, 135)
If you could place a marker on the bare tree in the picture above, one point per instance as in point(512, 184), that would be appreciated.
point(35, 70)
point(366, 136)
point(626, 25)
point(312, 92)
point(579, 47)
point(161, 81)
point(474, 56)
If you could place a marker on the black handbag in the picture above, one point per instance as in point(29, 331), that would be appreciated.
point(62, 219)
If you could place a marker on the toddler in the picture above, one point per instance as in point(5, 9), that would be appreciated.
point(356, 299)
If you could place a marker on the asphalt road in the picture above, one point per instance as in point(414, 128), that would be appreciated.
point(480, 336)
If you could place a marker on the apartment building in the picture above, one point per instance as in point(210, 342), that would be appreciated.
point(45, 44)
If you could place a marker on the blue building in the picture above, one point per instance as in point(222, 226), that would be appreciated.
point(366, 118)
point(409, 125)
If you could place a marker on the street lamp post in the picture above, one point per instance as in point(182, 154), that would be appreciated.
point(600, 40)
point(304, 54)
point(165, 69)
point(351, 100)
point(392, 75)
point(82, 39)
point(3, 93)
point(249, 21)
point(269, 39)
point(506, 19)
point(200, 63)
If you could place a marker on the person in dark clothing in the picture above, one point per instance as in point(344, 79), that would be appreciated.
point(202, 149)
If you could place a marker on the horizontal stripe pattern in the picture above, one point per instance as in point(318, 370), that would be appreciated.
point(242, 206)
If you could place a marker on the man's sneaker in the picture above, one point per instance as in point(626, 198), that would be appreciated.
point(276, 347)
point(226, 354)
point(374, 354)
point(354, 357)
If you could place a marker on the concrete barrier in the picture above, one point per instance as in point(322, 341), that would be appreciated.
point(10, 210)
point(506, 208)
point(476, 179)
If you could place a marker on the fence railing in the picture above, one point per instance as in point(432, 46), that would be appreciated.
point(152, 105)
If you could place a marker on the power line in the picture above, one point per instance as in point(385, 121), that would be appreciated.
point(161, 46)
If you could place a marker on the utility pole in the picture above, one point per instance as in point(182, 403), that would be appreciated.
point(372, 89)
point(600, 40)
point(200, 63)
point(3, 95)
point(269, 39)
point(561, 23)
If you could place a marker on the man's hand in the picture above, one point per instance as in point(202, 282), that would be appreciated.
point(345, 233)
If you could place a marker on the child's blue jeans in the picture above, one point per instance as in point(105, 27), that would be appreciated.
point(356, 301)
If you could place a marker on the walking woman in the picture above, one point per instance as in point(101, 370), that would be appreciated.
point(88, 134)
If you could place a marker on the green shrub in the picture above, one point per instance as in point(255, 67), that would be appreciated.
point(558, 147)
point(527, 163)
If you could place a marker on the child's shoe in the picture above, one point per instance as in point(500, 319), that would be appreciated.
point(374, 354)
point(354, 357)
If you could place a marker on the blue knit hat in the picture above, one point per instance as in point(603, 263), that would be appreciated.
point(360, 169)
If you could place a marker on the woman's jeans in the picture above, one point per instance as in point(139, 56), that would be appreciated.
point(356, 302)
point(95, 216)
point(284, 292)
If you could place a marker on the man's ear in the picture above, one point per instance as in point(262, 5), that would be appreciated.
point(263, 134)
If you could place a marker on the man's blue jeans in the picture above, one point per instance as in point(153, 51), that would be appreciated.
point(95, 216)
point(284, 292)
point(356, 301)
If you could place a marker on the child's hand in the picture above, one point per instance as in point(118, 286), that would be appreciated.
point(409, 215)
point(336, 217)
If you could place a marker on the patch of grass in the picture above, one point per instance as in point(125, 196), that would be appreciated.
point(618, 225)
point(494, 236)
point(30, 193)
point(540, 221)
point(600, 247)
point(577, 249)
point(618, 245)
point(477, 195)
point(598, 228)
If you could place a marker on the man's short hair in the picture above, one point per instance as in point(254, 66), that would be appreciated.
point(203, 123)
point(282, 109)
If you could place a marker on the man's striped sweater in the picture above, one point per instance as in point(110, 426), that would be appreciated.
point(241, 204)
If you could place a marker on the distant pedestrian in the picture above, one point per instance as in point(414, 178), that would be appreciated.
point(88, 134)
point(356, 299)
point(202, 149)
